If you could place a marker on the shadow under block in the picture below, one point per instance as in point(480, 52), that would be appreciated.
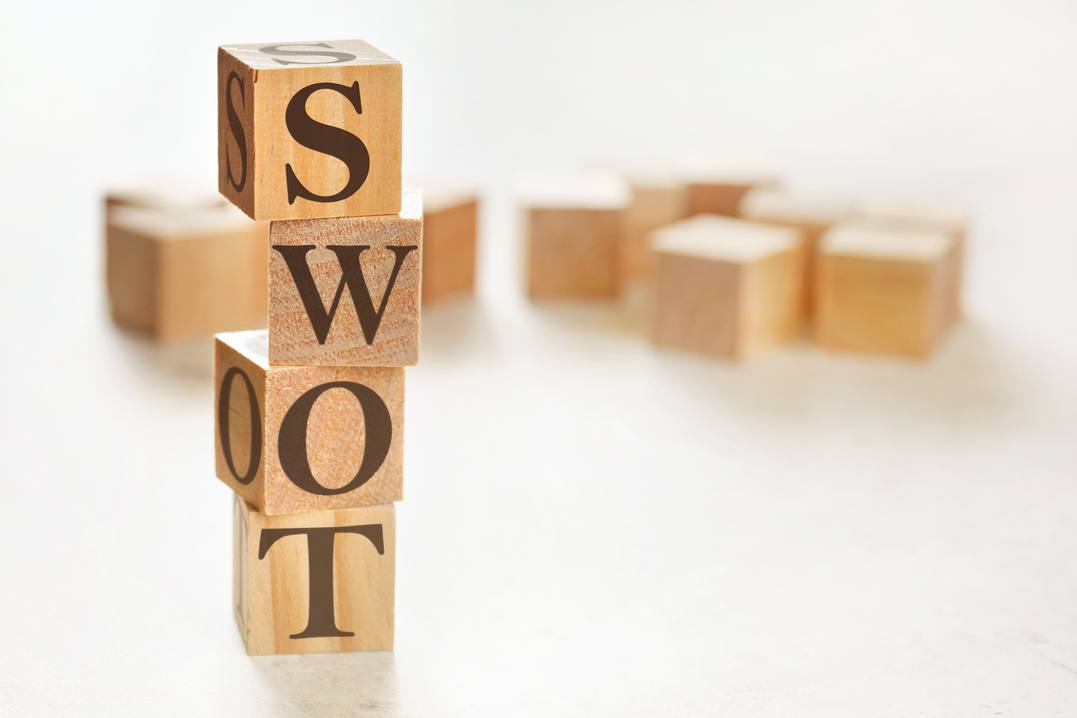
point(940, 217)
point(727, 288)
point(883, 291)
point(656, 202)
point(315, 582)
point(183, 275)
point(450, 232)
point(309, 130)
point(720, 191)
point(320, 437)
point(345, 291)
point(574, 233)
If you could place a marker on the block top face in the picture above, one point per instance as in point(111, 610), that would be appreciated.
point(913, 214)
point(723, 239)
point(882, 243)
point(171, 225)
point(437, 198)
point(732, 173)
point(285, 55)
point(252, 344)
point(596, 190)
point(163, 195)
point(780, 206)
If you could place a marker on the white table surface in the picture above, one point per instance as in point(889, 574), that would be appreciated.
point(590, 527)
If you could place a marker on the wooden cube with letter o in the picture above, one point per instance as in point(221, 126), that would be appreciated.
point(309, 130)
point(306, 438)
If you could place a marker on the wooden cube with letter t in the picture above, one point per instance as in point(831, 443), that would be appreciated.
point(309, 129)
point(306, 438)
point(315, 582)
point(345, 291)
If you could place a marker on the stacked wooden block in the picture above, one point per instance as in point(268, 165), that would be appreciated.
point(737, 266)
point(310, 414)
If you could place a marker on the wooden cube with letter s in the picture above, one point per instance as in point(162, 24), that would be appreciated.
point(308, 130)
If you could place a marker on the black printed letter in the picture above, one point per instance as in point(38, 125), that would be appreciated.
point(326, 139)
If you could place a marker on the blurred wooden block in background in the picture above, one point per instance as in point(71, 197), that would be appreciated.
point(316, 582)
point(163, 195)
point(720, 189)
point(345, 291)
point(924, 215)
point(178, 275)
point(574, 230)
point(812, 214)
point(658, 199)
point(306, 438)
point(883, 291)
point(726, 287)
point(308, 129)
point(450, 233)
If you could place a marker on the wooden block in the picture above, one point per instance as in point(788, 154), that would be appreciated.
point(345, 291)
point(450, 231)
point(719, 190)
point(939, 217)
point(811, 214)
point(726, 287)
point(181, 275)
point(315, 582)
point(309, 130)
point(658, 199)
point(574, 236)
point(164, 196)
point(883, 291)
point(320, 437)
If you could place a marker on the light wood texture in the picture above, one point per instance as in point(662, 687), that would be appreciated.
point(719, 190)
point(375, 292)
point(936, 216)
point(177, 275)
point(658, 199)
point(450, 233)
point(163, 195)
point(574, 230)
point(727, 288)
point(883, 291)
point(263, 129)
point(347, 442)
point(277, 597)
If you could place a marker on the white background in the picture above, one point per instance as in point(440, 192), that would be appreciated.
point(591, 527)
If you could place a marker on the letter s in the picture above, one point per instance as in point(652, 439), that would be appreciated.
point(326, 139)
point(237, 131)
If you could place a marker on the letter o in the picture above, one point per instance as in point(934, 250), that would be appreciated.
point(292, 439)
point(223, 401)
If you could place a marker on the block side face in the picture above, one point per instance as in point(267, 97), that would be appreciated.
point(773, 302)
point(716, 198)
point(235, 132)
point(240, 549)
point(697, 305)
point(329, 142)
point(449, 251)
point(131, 277)
point(376, 322)
point(875, 306)
point(320, 440)
point(573, 253)
point(651, 209)
point(241, 385)
point(346, 554)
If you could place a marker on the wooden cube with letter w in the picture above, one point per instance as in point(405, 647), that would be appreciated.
point(345, 291)
point(309, 129)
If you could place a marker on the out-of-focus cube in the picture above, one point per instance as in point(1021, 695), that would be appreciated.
point(726, 287)
point(177, 275)
point(658, 199)
point(936, 216)
point(883, 291)
point(162, 195)
point(450, 233)
point(720, 189)
point(574, 236)
point(309, 129)
point(811, 214)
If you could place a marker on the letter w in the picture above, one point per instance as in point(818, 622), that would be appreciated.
point(351, 276)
